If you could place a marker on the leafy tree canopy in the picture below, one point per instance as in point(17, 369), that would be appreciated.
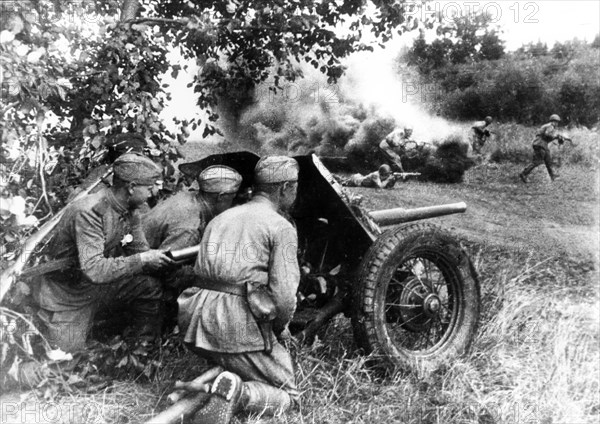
point(75, 73)
point(464, 39)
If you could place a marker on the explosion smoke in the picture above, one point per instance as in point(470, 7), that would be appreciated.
point(348, 119)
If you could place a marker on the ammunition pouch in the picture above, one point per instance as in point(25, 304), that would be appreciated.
point(263, 308)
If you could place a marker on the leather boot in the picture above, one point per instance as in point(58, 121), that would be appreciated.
point(225, 400)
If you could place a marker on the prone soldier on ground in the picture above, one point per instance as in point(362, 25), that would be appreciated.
point(382, 178)
point(247, 279)
point(541, 148)
point(103, 258)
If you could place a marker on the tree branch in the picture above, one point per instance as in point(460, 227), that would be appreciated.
point(157, 21)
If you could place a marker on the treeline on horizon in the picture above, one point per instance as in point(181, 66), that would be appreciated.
point(474, 76)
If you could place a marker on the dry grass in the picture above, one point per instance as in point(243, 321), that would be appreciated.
point(535, 359)
point(536, 356)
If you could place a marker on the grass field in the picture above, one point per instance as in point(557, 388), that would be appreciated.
point(536, 356)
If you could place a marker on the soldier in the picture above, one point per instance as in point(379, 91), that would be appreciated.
point(394, 146)
point(101, 254)
point(480, 134)
point(248, 277)
point(382, 178)
point(179, 221)
point(541, 151)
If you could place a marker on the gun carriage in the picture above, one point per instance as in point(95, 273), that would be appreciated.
point(409, 288)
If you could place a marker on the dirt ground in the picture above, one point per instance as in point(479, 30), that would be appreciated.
point(556, 218)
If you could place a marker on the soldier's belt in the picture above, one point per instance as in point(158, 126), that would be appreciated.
point(223, 287)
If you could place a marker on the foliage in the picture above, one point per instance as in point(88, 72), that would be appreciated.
point(466, 39)
point(526, 86)
point(75, 73)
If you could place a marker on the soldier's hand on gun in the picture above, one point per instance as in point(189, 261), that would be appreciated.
point(155, 259)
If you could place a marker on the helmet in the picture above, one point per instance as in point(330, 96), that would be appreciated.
point(554, 117)
point(385, 169)
point(488, 119)
point(408, 128)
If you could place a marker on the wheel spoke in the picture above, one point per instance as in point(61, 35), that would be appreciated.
point(404, 287)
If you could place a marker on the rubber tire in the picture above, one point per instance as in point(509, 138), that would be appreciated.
point(368, 313)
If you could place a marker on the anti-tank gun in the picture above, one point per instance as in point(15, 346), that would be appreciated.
point(409, 288)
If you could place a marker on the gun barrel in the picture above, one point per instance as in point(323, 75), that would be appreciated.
point(184, 254)
point(399, 215)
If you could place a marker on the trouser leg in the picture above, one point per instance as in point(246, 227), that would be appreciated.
point(549, 164)
point(269, 383)
point(143, 296)
point(538, 159)
point(67, 330)
point(393, 158)
point(263, 399)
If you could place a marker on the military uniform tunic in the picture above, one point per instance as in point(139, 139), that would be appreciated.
point(251, 242)
point(177, 221)
point(541, 150)
point(104, 240)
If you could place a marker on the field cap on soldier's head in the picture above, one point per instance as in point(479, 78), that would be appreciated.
point(276, 169)
point(135, 168)
point(219, 179)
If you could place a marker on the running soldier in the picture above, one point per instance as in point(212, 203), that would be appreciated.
point(480, 134)
point(541, 149)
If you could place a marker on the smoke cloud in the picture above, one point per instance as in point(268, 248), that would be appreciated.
point(347, 119)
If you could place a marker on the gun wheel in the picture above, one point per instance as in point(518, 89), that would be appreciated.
point(417, 306)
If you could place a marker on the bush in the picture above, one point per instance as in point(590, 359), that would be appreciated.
point(522, 88)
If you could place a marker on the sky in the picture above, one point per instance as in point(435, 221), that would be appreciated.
point(547, 21)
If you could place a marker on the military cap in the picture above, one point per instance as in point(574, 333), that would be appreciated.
point(219, 179)
point(135, 168)
point(276, 169)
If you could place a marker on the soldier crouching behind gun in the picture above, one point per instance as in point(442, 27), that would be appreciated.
point(248, 276)
point(104, 253)
point(179, 221)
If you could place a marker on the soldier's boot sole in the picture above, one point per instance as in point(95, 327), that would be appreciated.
point(225, 399)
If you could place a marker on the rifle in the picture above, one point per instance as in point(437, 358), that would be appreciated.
point(562, 139)
point(10, 275)
point(405, 175)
